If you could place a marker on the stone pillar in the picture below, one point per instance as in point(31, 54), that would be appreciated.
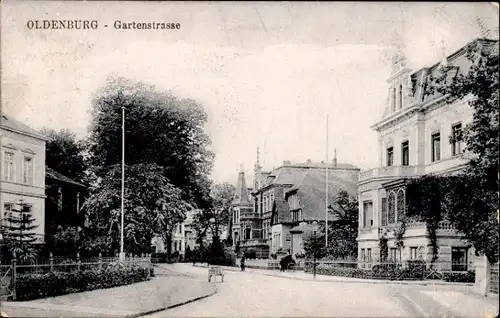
point(482, 265)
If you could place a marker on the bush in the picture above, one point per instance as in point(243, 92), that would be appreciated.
point(380, 271)
point(469, 277)
point(300, 255)
point(34, 286)
point(274, 256)
point(159, 257)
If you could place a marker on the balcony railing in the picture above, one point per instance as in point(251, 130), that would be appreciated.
point(443, 226)
point(391, 171)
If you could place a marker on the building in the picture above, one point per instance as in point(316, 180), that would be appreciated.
point(23, 170)
point(413, 140)
point(65, 198)
point(304, 207)
point(182, 237)
point(253, 224)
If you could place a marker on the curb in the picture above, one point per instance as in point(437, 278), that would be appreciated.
point(172, 306)
point(140, 314)
point(386, 282)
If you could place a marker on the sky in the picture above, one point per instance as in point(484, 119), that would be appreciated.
point(267, 74)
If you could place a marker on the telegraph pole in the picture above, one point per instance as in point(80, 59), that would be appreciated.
point(326, 186)
point(122, 253)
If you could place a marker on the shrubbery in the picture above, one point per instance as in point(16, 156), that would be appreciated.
point(377, 272)
point(415, 270)
point(468, 277)
point(33, 286)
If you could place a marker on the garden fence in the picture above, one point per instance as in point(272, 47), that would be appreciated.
point(57, 264)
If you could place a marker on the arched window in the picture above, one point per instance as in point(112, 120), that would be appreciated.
point(400, 96)
point(385, 216)
point(392, 208)
point(400, 203)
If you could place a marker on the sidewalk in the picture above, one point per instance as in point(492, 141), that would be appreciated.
point(301, 275)
point(133, 300)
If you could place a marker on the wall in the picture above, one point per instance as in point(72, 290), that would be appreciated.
point(12, 192)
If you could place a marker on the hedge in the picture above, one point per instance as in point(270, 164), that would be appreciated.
point(392, 272)
point(468, 277)
point(389, 273)
point(34, 286)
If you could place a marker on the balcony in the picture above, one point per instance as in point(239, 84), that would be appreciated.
point(444, 228)
point(391, 171)
point(249, 215)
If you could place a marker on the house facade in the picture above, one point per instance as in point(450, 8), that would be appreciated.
point(182, 236)
point(303, 207)
point(265, 223)
point(23, 171)
point(414, 139)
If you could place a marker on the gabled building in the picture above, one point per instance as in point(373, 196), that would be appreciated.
point(305, 207)
point(266, 221)
point(23, 170)
point(414, 140)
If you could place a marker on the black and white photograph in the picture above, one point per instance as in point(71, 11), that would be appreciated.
point(249, 159)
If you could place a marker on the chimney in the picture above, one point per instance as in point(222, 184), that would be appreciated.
point(286, 162)
point(334, 157)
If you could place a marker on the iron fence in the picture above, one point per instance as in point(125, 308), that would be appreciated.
point(493, 284)
point(9, 273)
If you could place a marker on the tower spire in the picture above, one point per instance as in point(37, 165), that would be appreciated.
point(444, 60)
point(257, 163)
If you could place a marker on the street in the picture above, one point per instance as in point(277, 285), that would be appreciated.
point(254, 295)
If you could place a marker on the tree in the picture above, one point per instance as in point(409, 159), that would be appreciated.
point(64, 154)
point(19, 232)
point(160, 129)
point(343, 227)
point(469, 199)
point(65, 241)
point(314, 244)
point(152, 206)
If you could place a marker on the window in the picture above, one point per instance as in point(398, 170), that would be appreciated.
point(456, 142)
point(367, 214)
point(390, 156)
point(296, 215)
point(391, 207)
point(248, 232)
point(275, 221)
point(394, 99)
point(8, 164)
point(413, 253)
point(458, 258)
point(405, 153)
point(400, 96)
point(385, 216)
point(363, 259)
point(393, 253)
point(7, 211)
point(436, 147)
point(369, 255)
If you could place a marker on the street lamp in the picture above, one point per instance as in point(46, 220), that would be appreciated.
point(122, 253)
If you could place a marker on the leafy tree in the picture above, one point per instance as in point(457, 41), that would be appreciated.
point(65, 241)
point(314, 244)
point(343, 227)
point(160, 129)
point(152, 206)
point(214, 220)
point(64, 153)
point(469, 199)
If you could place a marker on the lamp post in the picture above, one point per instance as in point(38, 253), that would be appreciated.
point(122, 253)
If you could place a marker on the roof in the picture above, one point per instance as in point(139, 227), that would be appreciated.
point(301, 228)
point(54, 175)
point(241, 193)
point(323, 165)
point(9, 123)
point(311, 192)
point(421, 76)
point(282, 208)
point(289, 175)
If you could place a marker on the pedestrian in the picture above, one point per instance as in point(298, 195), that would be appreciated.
point(242, 263)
